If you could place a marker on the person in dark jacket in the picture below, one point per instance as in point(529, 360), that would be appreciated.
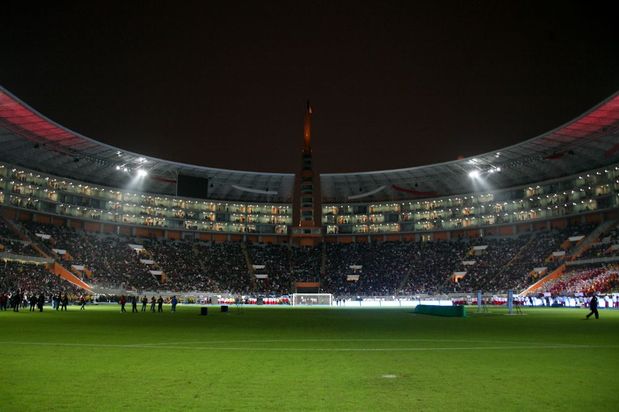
point(160, 304)
point(65, 302)
point(174, 302)
point(15, 301)
point(122, 302)
point(144, 303)
point(41, 302)
point(3, 301)
point(134, 304)
point(593, 307)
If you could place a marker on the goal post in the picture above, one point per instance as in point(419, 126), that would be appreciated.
point(312, 299)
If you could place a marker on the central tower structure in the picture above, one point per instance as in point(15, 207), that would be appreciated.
point(306, 227)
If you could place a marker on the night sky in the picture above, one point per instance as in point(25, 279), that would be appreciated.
point(392, 84)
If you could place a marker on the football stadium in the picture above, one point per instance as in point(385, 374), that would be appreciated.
point(409, 289)
point(309, 206)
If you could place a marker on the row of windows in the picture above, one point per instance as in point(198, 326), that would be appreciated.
point(593, 191)
point(31, 183)
point(475, 221)
point(598, 197)
point(589, 192)
point(600, 182)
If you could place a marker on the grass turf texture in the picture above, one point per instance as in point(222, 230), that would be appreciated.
point(308, 359)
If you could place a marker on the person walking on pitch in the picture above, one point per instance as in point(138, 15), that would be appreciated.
point(593, 307)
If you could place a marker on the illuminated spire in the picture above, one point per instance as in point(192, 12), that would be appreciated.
point(307, 129)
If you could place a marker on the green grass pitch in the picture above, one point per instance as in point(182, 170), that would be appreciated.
point(292, 359)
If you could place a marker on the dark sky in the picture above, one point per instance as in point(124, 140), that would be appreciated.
point(393, 84)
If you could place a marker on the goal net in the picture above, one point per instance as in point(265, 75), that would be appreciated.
point(312, 299)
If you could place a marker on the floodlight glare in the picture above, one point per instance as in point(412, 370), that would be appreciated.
point(142, 173)
point(474, 174)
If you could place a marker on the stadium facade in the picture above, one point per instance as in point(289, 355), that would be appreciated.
point(50, 174)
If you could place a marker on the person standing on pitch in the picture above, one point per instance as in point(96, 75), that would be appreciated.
point(122, 303)
point(65, 302)
point(134, 304)
point(41, 302)
point(144, 303)
point(160, 304)
point(153, 302)
point(82, 302)
point(174, 302)
point(593, 307)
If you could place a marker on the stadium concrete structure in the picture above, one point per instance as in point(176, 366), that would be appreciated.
point(50, 174)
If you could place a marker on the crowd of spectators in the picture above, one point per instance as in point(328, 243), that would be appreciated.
point(608, 246)
point(344, 269)
point(30, 279)
point(585, 281)
point(10, 243)
point(368, 268)
point(200, 266)
point(182, 263)
point(17, 247)
point(508, 263)
point(5, 231)
point(305, 263)
point(109, 259)
point(111, 262)
point(276, 262)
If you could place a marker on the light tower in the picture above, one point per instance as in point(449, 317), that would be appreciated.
point(306, 227)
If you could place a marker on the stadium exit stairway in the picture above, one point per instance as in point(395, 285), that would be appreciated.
point(537, 285)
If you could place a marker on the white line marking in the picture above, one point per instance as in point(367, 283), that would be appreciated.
point(431, 349)
point(346, 340)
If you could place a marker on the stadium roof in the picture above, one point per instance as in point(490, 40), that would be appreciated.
point(29, 139)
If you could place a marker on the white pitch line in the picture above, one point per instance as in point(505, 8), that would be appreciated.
point(430, 349)
point(346, 340)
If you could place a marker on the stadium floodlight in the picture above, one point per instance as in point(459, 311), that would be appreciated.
point(474, 174)
point(142, 173)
